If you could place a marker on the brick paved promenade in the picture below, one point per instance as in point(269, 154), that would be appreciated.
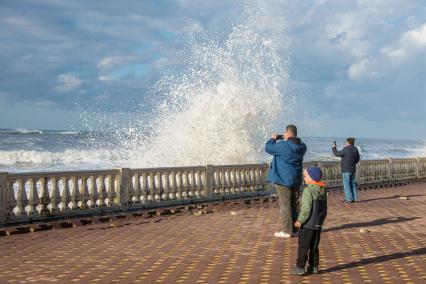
point(235, 244)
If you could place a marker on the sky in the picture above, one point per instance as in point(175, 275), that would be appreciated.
point(358, 68)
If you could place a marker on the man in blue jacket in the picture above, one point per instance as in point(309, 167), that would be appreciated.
point(285, 172)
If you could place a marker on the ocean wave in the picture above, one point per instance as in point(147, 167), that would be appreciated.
point(68, 132)
point(59, 160)
point(21, 131)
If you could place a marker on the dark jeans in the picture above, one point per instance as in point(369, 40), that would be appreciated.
point(288, 199)
point(308, 247)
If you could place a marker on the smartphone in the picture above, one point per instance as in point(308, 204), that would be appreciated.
point(280, 137)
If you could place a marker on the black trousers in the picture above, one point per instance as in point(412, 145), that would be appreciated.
point(308, 247)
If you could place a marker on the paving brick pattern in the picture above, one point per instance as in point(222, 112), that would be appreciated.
point(235, 244)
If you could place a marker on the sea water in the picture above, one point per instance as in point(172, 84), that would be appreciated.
point(41, 150)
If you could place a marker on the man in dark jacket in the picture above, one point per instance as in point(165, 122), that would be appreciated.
point(285, 172)
point(349, 158)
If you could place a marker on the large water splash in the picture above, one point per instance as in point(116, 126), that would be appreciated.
point(221, 109)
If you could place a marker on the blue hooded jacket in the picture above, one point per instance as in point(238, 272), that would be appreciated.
point(287, 165)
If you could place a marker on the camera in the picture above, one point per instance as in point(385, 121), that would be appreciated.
point(280, 137)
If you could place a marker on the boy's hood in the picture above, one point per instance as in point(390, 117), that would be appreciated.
point(315, 187)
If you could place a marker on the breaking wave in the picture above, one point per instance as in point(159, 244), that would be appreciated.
point(226, 102)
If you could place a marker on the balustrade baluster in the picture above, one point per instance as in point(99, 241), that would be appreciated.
point(75, 194)
point(166, 186)
point(232, 180)
point(185, 185)
point(84, 194)
point(217, 182)
point(136, 188)
point(180, 185)
point(173, 185)
point(102, 192)
point(55, 200)
point(34, 200)
point(239, 181)
point(111, 190)
point(92, 192)
point(44, 197)
point(152, 188)
point(145, 188)
point(21, 200)
point(11, 199)
point(200, 184)
point(66, 195)
point(193, 185)
point(160, 188)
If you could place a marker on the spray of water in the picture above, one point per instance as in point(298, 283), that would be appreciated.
point(223, 106)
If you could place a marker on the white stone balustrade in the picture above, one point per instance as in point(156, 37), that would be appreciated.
point(26, 197)
point(373, 171)
point(238, 179)
point(36, 196)
point(156, 185)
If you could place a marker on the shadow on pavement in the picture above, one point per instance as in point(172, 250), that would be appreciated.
point(377, 222)
point(383, 258)
point(391, 197)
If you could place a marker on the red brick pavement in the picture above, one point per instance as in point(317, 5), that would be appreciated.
point(231, 248)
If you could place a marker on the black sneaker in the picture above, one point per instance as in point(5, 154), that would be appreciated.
point(313, 269)
point(299, 271)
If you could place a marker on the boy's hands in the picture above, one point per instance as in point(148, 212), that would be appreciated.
point(297, 224)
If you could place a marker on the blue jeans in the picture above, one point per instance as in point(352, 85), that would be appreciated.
point(349, 186)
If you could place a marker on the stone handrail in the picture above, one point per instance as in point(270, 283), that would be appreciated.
point(28, 197)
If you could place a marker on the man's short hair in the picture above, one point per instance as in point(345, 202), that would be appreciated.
point(351, 141)
point(292, 128)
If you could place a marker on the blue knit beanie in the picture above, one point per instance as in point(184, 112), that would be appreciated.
point(315, 173)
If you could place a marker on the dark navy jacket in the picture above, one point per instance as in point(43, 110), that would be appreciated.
point(350, 157)
point(287, 164)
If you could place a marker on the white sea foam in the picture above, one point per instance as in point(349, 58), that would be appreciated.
point(21, 131)
point(68, 132)
point(67, 159)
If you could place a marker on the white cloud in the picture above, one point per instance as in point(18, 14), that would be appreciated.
point(358, 69)
point(416, 36)
point(398, 53)
point(410, 44)
point(114, 61)
point(45, 103)
point(104, 78)
point(67, 82)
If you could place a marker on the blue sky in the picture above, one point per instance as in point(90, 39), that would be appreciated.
point(358, 66)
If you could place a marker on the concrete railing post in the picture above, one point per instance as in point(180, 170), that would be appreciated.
point(358, 173)
point(390, 169)
point(123, 196)
point(3, 198)
point(266, 185)
point(209, 178)
point(417, 168)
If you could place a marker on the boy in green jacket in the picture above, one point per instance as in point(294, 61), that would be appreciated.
point(311, 218)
